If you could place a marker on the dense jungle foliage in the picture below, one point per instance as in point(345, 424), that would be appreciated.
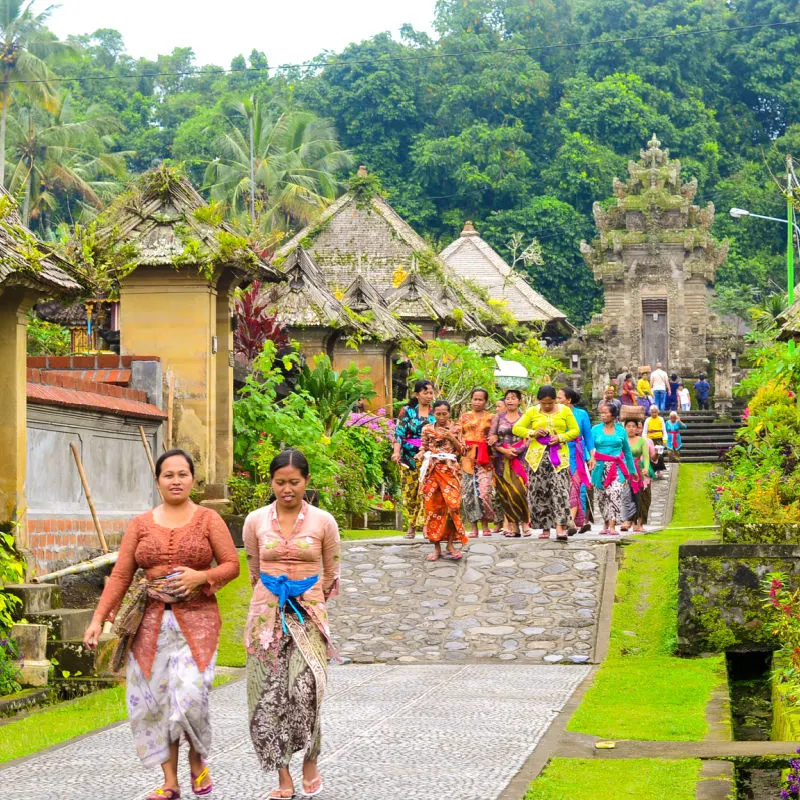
point(494, 121)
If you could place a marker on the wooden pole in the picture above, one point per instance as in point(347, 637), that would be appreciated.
point(148, 450)
point(97, 527)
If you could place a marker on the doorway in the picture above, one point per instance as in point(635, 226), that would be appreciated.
point(654, 330)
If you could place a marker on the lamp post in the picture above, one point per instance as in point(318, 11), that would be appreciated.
point(738, 213)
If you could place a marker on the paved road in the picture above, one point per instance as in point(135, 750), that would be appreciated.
point(459, 732)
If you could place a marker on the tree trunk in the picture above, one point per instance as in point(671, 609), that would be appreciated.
point(26, 204)
point(3, 120)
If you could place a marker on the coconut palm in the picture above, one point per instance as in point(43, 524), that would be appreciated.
point(296, 158)
point(56, 155)
point(24, 44)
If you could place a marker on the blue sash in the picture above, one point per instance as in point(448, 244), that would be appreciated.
point(285, 589)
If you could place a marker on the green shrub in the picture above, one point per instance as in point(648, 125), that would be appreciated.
point(9, 667)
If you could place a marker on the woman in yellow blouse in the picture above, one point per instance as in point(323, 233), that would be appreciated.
point(549, 426)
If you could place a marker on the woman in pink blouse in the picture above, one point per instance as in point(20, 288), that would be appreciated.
point(172, 660)
point(293, 557)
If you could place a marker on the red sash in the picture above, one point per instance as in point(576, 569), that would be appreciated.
point(618, 463)
point(482, 456)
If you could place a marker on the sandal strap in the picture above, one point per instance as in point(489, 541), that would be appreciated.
point(196, 781)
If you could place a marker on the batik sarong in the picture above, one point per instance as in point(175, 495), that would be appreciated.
point(548, 495)
point(609, 498)
point(441, 491)
point(284, 695)
point(512, 489)
point(173, 701)
point(476, 494)
point(577, 498)
point(412, 497)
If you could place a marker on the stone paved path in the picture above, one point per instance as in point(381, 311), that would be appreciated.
point(459, 732)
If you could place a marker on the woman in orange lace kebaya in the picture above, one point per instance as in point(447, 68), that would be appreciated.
point(172, 660)
point(440, 476)
point(477, 473)
point(293, 558)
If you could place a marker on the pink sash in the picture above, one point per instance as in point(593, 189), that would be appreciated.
point(552, 450)
point(618, 463)
point(580, 465)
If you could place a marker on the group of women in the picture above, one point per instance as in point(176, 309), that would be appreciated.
point(522, 469)
point(172, 623)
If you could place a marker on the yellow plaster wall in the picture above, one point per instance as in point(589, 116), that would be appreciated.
point(14, 306)
point(376, 359)
point(173, 314)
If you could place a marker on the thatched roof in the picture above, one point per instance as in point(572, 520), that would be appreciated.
point(364, 235)
point(162, 213)
point(24, 260)
point(364, 299)
point(304, 300)
point(473, 258)
point(789, 321)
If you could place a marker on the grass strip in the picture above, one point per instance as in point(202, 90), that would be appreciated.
point(60, 723)
point(614, 779)
point(642, 690)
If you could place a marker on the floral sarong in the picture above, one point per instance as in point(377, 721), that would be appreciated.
point(476, 493)
point(412, 497)
point(284, 695)
point(173, 701)
point(442, 493)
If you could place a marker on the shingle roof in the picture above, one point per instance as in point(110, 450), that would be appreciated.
point(363, 298)
point(156, 215)
point(304, 300)
point(24, 261)
point(355, 236)
point(473, 258)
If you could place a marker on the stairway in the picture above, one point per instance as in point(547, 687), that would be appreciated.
point(708, 435)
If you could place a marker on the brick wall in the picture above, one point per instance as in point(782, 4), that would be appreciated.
point(57, 543)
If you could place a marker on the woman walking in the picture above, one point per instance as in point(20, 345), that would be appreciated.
point(410, 422)
point(656, 431)
point(674, 427)
point(548, 427)
point(293, 558)
point(477, 476)
point(579, 450)
point(636, 495)
point(511, 476)
point(440, 476)
point(672, 397)
point(172, 624)
point(611, 464)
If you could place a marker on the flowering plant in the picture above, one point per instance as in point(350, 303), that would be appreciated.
point(792, 788)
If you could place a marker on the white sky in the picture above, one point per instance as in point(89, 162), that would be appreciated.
point(288, 32)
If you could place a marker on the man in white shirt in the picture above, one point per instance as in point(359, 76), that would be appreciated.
point(659, 381)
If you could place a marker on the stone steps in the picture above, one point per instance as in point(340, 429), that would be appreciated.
point(64, 623)
point(36, 597)
point(71, 656)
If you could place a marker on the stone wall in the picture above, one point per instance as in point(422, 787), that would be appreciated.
point(117, 470)
point(721, 598)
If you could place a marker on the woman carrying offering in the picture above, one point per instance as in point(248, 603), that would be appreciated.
point(477, 476)
point(408, 434)
point(674, 427)
point(548, 427)
point(509, 466)
point(172, 623)
point(440, 477)
point(579, 450)
point(636, 494)
point(293, 558)
point(611, 464)
point(628, 396)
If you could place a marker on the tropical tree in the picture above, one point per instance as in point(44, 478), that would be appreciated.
point(295, 160)
point(58, 156)
point(24, 43)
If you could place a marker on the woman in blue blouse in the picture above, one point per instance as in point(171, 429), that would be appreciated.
point(408, 440)
point(674, 441)
point(611, 465)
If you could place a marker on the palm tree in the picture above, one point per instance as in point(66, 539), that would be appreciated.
point(22, 49)
point(295, 160)
point(56, 156)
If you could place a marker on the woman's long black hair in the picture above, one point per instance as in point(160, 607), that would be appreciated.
point(419, 386)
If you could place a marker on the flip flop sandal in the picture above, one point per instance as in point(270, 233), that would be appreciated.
point(544, 535)
point(487, 532)
point(316, 791)
point(164, 794)
point(197, 790)
point(607, 532)
point(562, 538)
point(281, 794)
point(410, 535)
point(433, 557)
point(455, 556)
point(511, 534)
point(472, 535)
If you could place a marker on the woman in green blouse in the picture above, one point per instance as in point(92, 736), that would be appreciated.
point(548, 426)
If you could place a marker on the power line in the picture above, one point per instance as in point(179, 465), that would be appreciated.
point(342, 62)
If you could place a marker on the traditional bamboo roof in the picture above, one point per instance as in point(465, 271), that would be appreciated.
point(304, 301)
point(365, 300)
point(362, 234)
point(789, 321)
point(24, 260)
point(413, 300)
point(170, 223)
point(474, 259)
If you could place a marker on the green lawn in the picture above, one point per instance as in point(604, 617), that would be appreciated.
point(643, 691)
point(616, 779)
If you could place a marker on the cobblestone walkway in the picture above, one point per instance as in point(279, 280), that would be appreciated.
point(459, 732)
